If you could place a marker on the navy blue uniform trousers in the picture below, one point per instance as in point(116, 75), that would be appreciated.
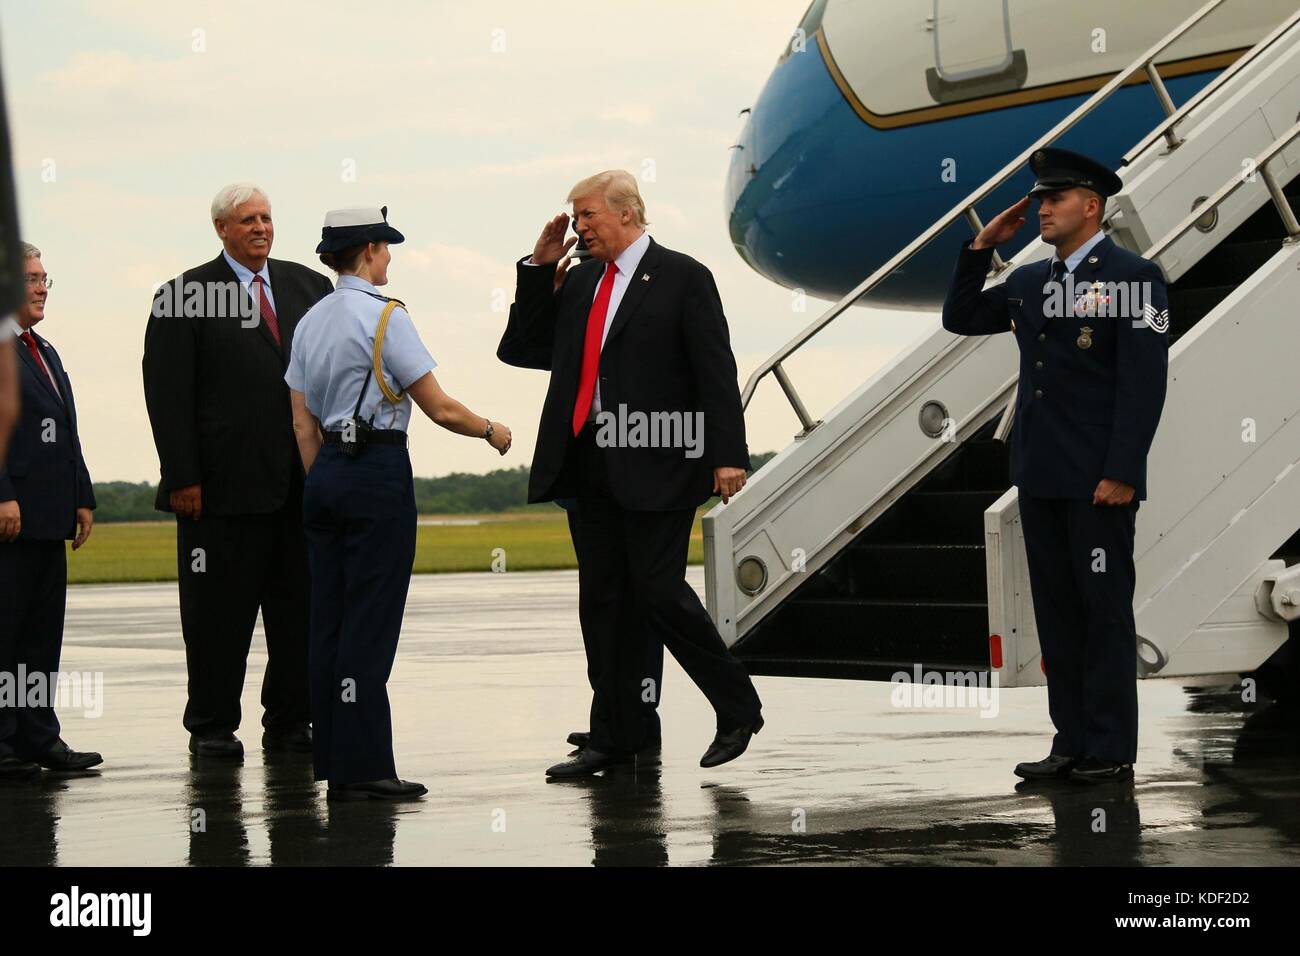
point(33, 594)
point(359, 518)
point(1082, 579)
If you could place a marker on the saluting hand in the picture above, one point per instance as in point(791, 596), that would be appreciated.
point(1003, 226)
point(551, 245)
point(1112, 492)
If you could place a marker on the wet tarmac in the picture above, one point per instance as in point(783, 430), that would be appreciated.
point(489, 680)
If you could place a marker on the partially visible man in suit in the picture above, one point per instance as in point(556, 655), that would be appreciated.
point(636, 333)
point(45, 499)
point(215, 352)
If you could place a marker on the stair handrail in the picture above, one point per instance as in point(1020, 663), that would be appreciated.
point(966, 209)
point(1258, 164)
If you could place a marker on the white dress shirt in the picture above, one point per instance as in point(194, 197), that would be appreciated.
point(627, 263)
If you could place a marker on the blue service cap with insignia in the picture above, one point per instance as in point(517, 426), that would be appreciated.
point(345, 228)
point(1062, 169)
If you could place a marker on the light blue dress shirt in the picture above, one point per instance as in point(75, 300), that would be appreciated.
point(245, 276)
point(332, 351)
point(1073, 259)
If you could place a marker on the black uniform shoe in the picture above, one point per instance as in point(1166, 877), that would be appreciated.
point(586, 763)
point(730, 745)
point(295, 740)
point(376, 790)
point(224, 746)
point(62, 757)
point(15, 768)
point(1092, 770)
point(1051, 767)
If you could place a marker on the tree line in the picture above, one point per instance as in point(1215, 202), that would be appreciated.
point(505, 489)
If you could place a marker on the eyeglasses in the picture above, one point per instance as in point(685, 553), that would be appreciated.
point(40, 280)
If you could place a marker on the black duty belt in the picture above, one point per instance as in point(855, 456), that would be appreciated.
point(379, 436)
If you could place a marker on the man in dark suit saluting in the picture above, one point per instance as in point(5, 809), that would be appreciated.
point(215, 353)
point(642, 423)
point(45, 498)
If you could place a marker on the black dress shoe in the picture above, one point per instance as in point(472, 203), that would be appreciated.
point(730, 745)
point(224, 746)
point(1092, 770)
point(15, 768)
point(1051, 767)
point(393, 789)
point(62, 757)
point(295, 740)
point(586, 763)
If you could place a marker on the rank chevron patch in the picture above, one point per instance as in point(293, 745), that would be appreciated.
point(1158, 321)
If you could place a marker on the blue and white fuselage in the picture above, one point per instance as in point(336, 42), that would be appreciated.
point(881, 115)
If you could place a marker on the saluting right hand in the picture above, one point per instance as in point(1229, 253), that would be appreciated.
point(551, 245)
point(1003, 226)
point(187, 502)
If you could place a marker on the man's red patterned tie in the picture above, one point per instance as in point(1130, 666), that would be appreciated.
point(591, 348)
point(268, 313)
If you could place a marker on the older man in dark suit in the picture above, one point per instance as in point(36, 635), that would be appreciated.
point(215, 353)
point(642, 423)
point(45, 499)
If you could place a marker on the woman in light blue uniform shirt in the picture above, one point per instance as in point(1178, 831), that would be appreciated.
point(359, 497)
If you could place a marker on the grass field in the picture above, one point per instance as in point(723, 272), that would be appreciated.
point(146, 550)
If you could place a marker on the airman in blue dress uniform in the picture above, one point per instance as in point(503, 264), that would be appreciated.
point(357, 363)
point(1092, 327)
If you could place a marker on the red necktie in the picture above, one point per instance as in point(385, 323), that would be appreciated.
point(591, 348)
point(31, 347)
point(268, 313)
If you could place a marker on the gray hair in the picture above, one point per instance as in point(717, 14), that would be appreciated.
point(29, 250)
point(235, 194)
point(619, 189)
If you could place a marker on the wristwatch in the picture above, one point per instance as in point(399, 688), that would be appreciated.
point(487, 435)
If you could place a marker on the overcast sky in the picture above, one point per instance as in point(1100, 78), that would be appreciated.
point(470, 121)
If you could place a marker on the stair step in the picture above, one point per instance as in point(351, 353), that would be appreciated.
point(1230, 263)
point(975, 465)
point(915, 571)
point(851, 629)
point(933, 517)
point(1187, 306)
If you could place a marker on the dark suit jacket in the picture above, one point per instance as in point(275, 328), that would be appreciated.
point(667, 350)
point(1082, 414)
point(45, 472)
point(214, 386)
